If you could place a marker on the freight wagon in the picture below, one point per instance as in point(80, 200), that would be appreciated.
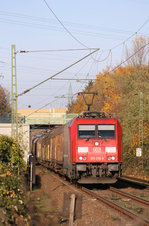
point(87, 149)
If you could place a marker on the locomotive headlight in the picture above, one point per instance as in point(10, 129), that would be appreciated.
point(109, 158)
point(82, 157)
point(113, 158)
point(96, 143)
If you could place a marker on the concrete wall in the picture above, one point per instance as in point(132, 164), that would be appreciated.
point(25, 112)
point(24, 136)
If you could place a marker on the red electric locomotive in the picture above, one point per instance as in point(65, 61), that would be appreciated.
point(87, 149)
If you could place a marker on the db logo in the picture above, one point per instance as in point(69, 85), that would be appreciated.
point(96, 149)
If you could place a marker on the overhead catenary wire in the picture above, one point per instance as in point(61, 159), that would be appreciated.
point(76, 74)
point(41, 19)
point(54, 28)
point(86, 78)
point(28, 90)
point(66, 29)
point(81, 42)
point(77, 40)
point(100, 61)
point(122, 43)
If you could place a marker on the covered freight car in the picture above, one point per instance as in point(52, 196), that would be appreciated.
point(87, 149)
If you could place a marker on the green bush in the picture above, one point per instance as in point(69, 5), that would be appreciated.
point(11, 190)
point(11, 197)
point(11, 155)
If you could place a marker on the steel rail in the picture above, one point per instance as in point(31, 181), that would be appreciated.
point(115, 206)
point(133, 197)
point(109, 203)
point(135, 180)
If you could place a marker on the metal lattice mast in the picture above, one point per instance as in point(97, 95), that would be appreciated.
point(14, 105)
point(70, 95)
point(141, 125)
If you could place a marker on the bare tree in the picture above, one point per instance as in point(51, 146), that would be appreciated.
point(140, 50)
point(4, 101)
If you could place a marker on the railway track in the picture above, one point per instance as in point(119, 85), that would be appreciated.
point(117, 207)
point(130, 196)
point(138, 181)
point(113, 205)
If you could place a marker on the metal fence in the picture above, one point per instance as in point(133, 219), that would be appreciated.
point(49, 118)
point(41, 119)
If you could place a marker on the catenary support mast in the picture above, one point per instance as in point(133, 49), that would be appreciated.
point(14, 105)
point(141, 126)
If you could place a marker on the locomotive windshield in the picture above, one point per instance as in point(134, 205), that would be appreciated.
point(86, 131)
point(106, 131)
point(96, 131)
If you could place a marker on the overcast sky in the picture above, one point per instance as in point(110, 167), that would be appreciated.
point(30, 25)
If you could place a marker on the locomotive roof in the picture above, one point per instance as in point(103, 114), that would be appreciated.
point(94, 114)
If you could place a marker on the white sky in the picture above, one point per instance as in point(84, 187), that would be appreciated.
point(30, 25)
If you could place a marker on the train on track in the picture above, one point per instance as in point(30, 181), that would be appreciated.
point(88, 149)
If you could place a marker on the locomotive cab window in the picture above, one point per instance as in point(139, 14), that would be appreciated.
point(106, 131)
point(86, 131)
